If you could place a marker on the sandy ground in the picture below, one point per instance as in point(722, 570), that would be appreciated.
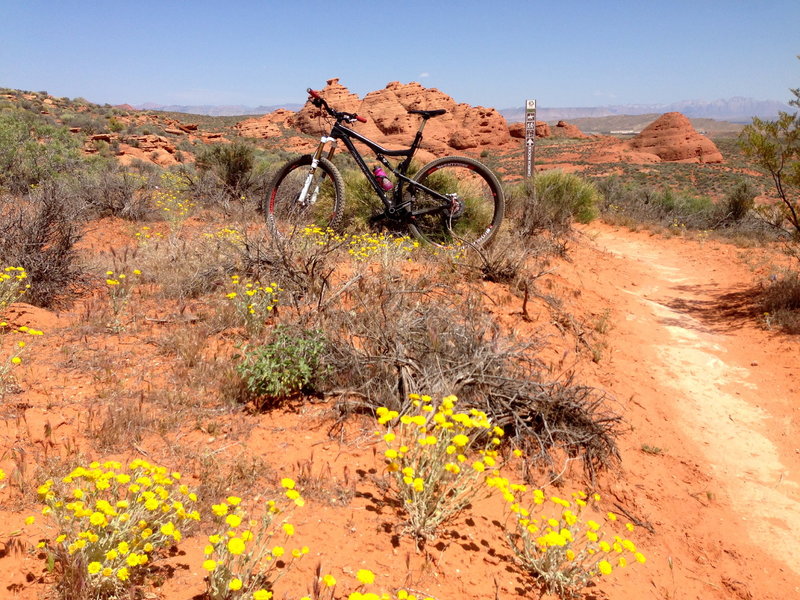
point(710, 457)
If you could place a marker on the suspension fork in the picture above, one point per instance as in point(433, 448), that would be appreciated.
point(312, 169)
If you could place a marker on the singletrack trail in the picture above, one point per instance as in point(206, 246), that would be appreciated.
point(713, 400)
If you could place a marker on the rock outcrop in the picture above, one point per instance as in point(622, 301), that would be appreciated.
point(567, 130)
point(462, 127)
point(517, 130)
point(672, 138)
point(270, 125)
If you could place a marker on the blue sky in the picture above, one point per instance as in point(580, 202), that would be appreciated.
point(568, 53)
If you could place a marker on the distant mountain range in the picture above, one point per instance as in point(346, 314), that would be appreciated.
point(735, 110)
point(217, 110)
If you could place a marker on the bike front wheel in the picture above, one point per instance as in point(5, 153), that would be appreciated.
point(299, 197)
point(472, 211)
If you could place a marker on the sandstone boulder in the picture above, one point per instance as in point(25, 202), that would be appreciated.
point(517, 130)
point(672, 138)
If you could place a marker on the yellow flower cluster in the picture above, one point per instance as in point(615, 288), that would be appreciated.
point(253, 302)
point(112, 520)
point(399, 595)
point(146, 234)
point(363, 246)
point(14, 358)
point(554, 542)
point(120, 286)
point(172, 199)
point(227, 234)
point(245, 556)
point(365, 577)
point(12, 285)
point(437, 458)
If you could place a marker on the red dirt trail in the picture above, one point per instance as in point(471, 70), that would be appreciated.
point(713, 396)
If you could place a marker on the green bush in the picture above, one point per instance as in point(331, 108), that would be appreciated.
point(288, 364)
point(740, 200)
point(32, 151)
point(233, 165)
point(553, 199)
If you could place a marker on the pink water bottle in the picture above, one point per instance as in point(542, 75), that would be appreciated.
point(383, 180)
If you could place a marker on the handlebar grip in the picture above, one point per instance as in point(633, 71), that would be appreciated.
point(361, 119)
point(313, 93)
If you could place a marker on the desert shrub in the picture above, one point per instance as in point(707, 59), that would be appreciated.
point(232, 164)
point(39, 235)
point(111, 190)
point(289, 363)
point(32, 151)
point(775, 146)
point(780, 302)
point(566, 195)
point(184, 267)
point(362, 202)
point(514, 257)
point(89, 124)
point(639, 204)
point(115, 125)
point(302, 262)
point(393, 342)
point(740, 200)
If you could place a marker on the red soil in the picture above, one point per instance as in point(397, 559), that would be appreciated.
point(683, 359)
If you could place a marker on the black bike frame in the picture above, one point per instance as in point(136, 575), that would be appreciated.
point(393, 204)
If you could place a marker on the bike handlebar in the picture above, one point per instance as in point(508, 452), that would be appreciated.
point(319, 101)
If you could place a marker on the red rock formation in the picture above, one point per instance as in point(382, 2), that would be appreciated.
point(567, 130)
point(463, 127)
point(517, 130)
point(672, 138)
point(267, 126)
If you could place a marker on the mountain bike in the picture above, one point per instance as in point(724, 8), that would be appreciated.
point(450, 201)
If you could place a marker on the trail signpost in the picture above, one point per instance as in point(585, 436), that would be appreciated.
point(530, 136)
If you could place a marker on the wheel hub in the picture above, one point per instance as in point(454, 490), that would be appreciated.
point(457, 206)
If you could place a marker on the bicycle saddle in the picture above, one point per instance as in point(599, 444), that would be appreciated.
point(427, 114)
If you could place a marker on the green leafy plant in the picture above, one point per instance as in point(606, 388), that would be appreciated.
point(283, 367)
point(32, 150)
point(775, 146)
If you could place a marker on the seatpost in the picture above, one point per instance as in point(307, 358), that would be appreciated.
point(418, 137)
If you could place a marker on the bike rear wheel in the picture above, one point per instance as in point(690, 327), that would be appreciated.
point(298, 198)
point(476, 203)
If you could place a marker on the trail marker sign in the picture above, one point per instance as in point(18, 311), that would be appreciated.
point(530, 137)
